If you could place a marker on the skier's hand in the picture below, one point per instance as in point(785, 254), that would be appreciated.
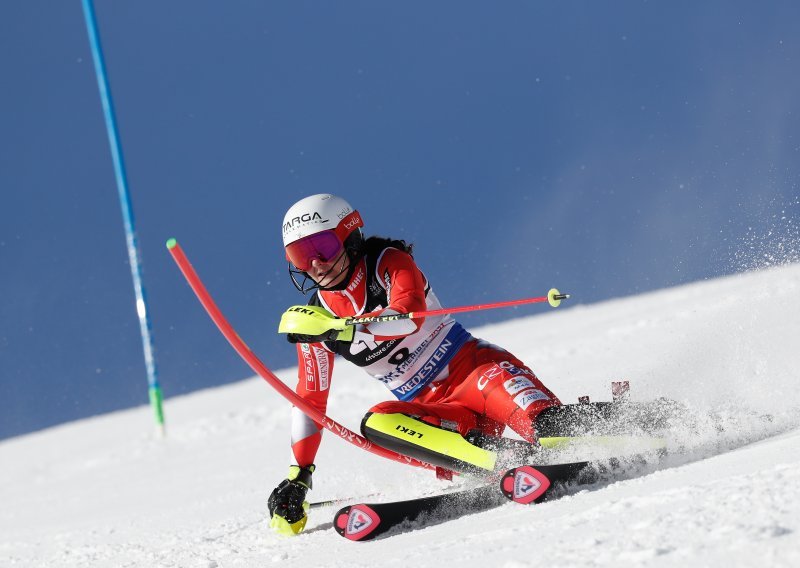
point(288, 509)
point(331, 335)
point(311, 324)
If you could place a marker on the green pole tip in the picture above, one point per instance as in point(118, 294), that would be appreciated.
point(171, 244)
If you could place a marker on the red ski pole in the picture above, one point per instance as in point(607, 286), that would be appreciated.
point(553, 297)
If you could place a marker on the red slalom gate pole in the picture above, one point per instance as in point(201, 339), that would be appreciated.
point(553, 297)
point(255, 363)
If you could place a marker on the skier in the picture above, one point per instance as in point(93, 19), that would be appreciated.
point(450, 385)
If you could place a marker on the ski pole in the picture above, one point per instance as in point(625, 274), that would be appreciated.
point(553, 297)
point(343, 501)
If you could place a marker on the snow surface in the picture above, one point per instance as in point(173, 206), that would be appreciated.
point(106, 492)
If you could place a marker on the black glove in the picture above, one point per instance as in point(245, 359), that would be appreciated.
point(286, 502)
point(330, 335)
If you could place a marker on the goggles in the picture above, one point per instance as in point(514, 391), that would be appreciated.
point(324, 246)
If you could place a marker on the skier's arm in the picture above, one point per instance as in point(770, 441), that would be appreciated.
point(405, 289)
point(288, 508)
point(314, 368)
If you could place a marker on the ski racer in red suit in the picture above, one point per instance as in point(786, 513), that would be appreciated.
point(442, 377)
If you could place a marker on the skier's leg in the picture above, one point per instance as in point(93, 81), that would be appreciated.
point(487, 388)
point(429, 432)
point(501, 388)
point(450, 417)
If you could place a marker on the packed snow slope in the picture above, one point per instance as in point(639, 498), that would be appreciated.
point(106, 492)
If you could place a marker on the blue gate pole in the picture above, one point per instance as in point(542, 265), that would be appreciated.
point(156, 397)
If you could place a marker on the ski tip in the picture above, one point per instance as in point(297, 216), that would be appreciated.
point(525, 484)
point(357, 522)
point(171, 244)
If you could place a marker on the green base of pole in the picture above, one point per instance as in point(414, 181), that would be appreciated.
point(157, 404)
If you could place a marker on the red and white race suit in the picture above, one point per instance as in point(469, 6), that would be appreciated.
point(433, 366)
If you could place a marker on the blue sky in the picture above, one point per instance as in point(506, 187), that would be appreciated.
point(603, 148)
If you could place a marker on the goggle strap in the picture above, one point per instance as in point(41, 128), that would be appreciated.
point(347, 225)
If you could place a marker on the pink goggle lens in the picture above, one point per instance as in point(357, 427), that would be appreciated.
point(324, 246)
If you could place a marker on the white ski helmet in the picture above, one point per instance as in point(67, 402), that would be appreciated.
point(317, 213)
point(320, 226)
